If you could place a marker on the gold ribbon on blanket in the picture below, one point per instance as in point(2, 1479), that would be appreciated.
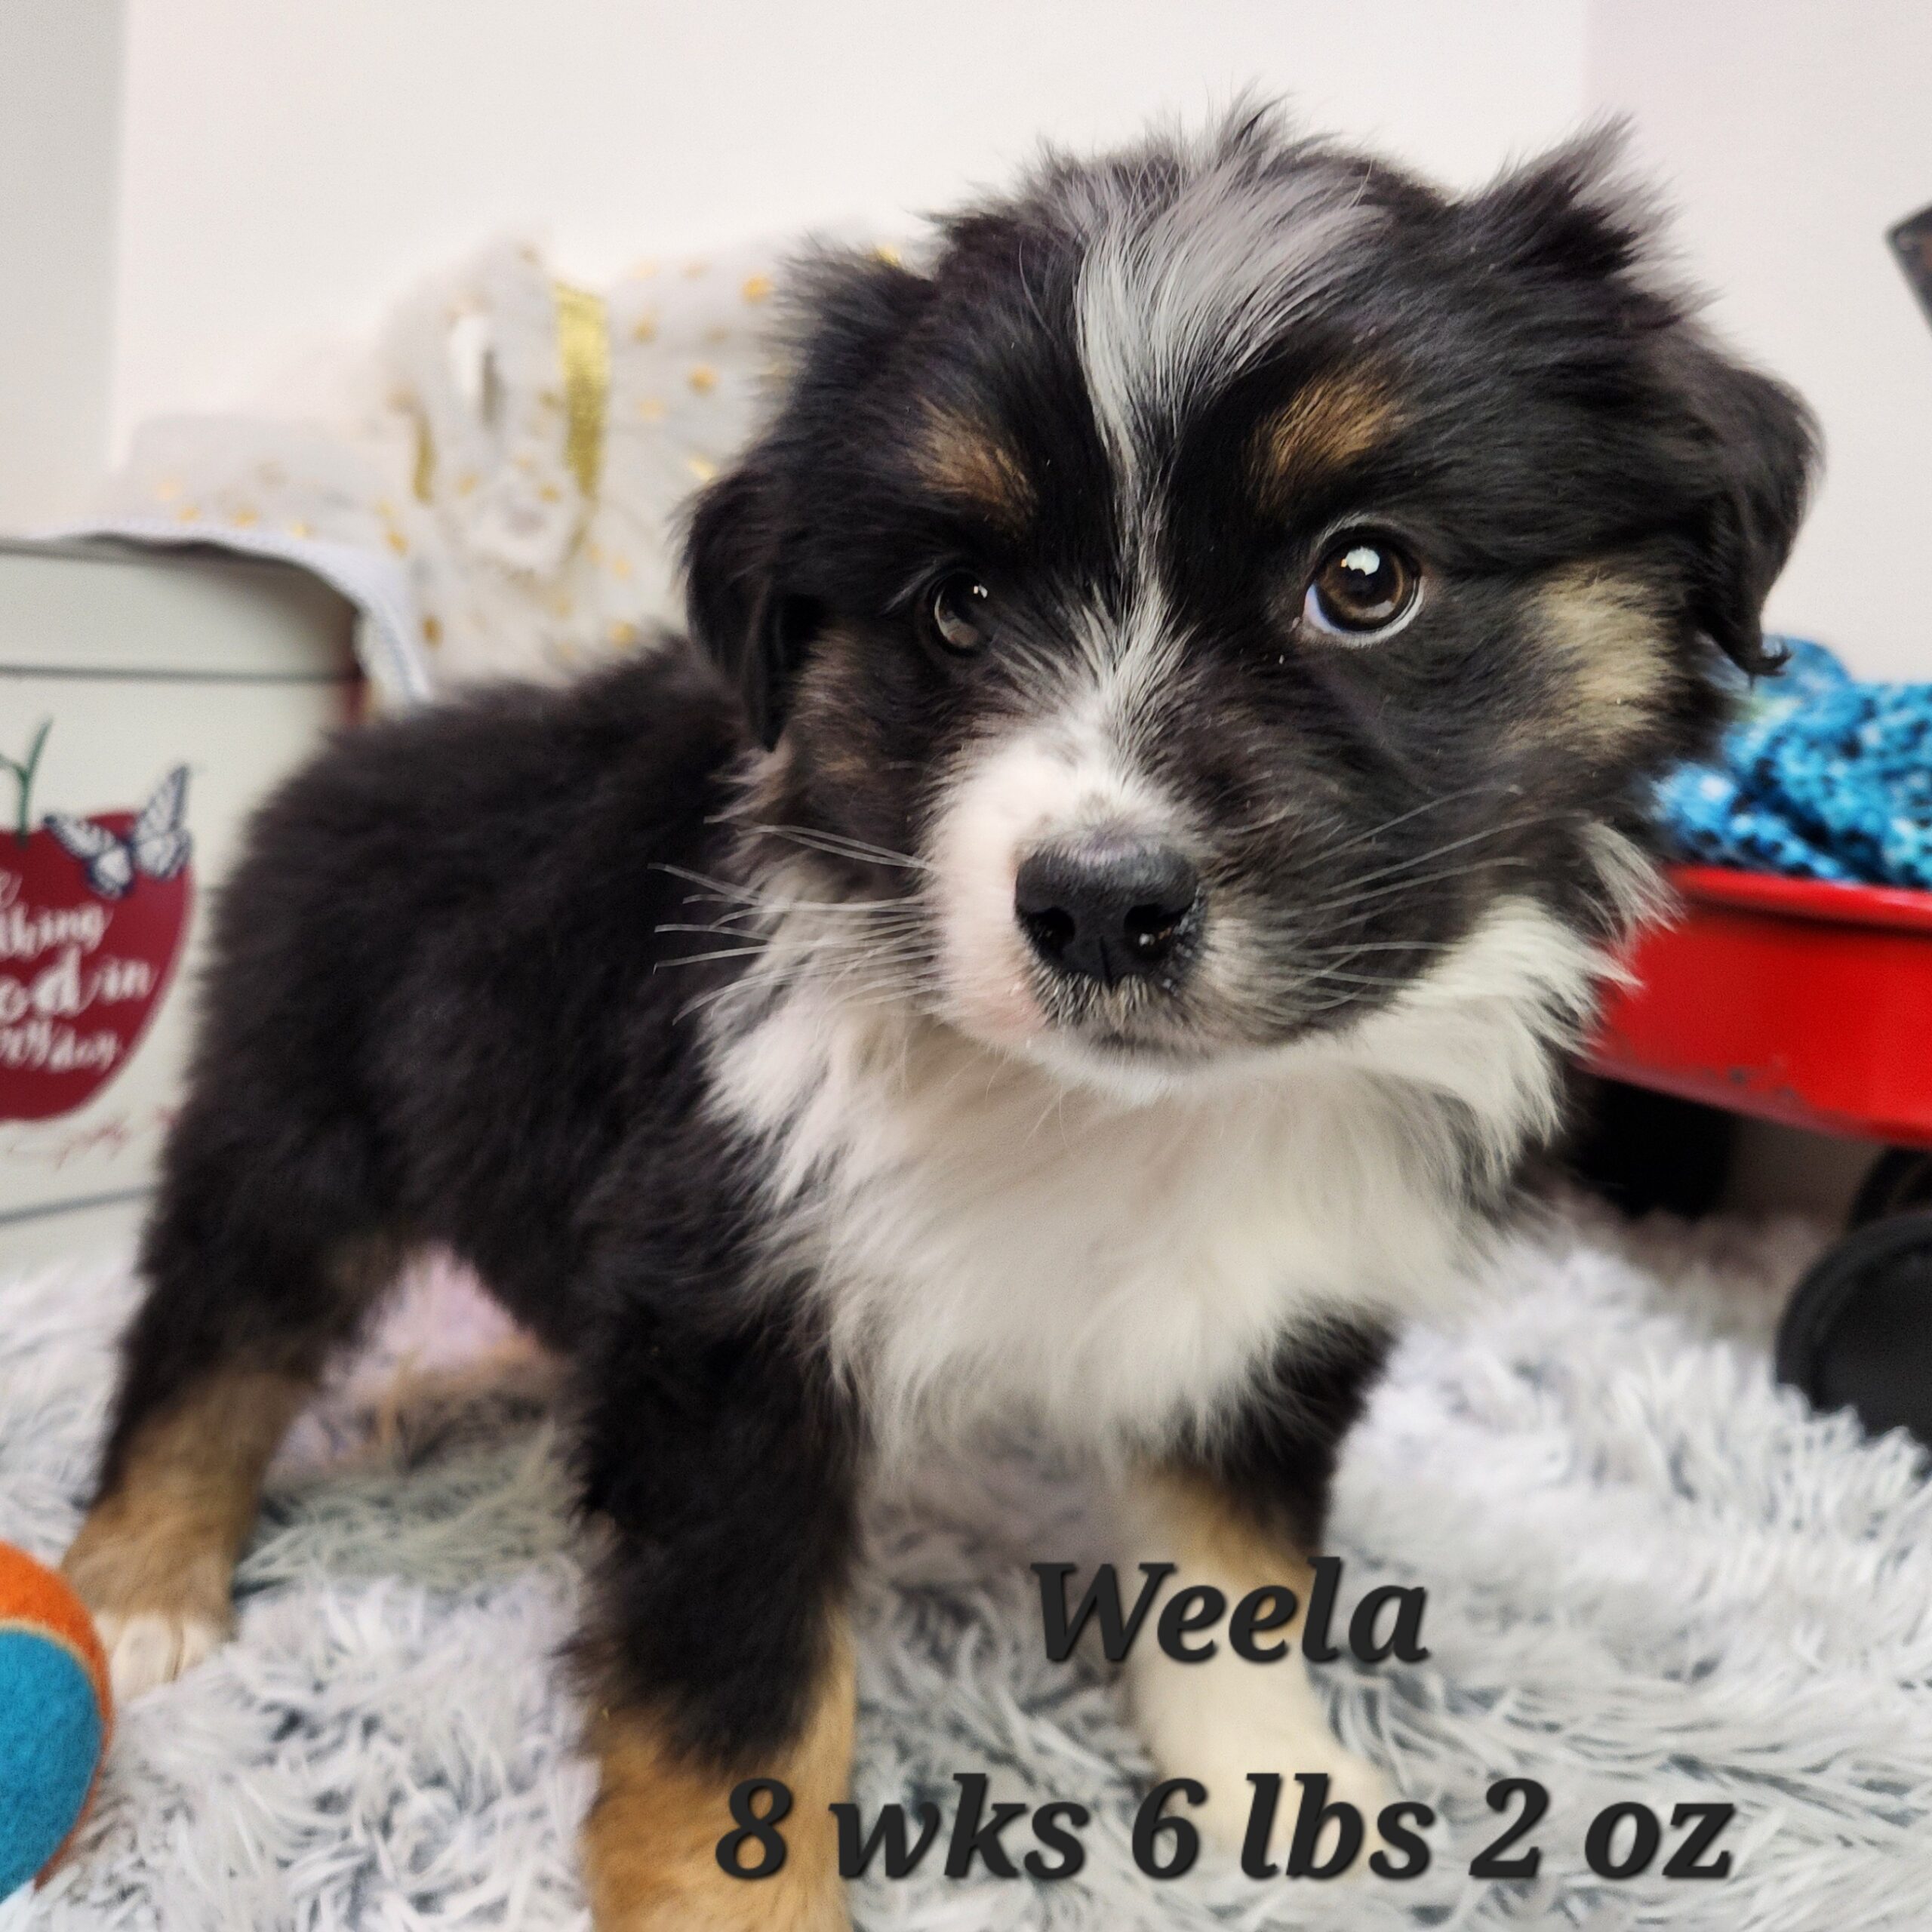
point(583, 344)
point(583, 336)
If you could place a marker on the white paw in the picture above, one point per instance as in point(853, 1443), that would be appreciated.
point(1351, 1780)
point(1222, 1720)
point(146, 1648)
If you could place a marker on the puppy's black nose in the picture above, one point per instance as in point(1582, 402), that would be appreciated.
point(1107, 906)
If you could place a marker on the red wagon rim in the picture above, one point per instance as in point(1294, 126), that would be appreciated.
point(1894, 908)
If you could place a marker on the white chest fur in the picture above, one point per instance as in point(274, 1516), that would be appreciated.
point(987, 1238)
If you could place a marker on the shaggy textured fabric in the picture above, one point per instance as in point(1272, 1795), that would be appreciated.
point(1823, 776)
point(1652, 1576)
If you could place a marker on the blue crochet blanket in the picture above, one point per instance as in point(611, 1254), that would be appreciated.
point(1822, 776)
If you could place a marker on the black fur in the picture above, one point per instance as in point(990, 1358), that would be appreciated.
point(433, 1018)
point(443, 1008)
point(1277, 1464)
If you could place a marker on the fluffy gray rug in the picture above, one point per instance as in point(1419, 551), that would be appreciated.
point(1652, 1576)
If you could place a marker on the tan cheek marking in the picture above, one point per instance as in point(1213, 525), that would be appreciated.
point(826, 701)
point(962, 459)
point(651, 1842)
point(1332, 422)
point(1607, 632)
point(165, 1537)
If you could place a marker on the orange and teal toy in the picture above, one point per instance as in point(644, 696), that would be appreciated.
point(55, 1712)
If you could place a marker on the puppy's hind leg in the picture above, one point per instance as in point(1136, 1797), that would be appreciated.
point(252, 1275)
point(718, 1651)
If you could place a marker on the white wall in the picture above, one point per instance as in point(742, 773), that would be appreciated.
point(1793, 134)
point(284, 169)
point(288, 167)
point(60, 143)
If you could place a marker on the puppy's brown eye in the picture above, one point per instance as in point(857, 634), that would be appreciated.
point(1364, 587)
point(961, 613)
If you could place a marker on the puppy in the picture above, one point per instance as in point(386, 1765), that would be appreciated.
point(1087, 930)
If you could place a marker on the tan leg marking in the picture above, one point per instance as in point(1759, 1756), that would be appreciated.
point(154, 1558)
point(651, 1842)
point(1220, 1720)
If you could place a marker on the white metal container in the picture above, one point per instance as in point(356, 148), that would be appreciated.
point(147, 701)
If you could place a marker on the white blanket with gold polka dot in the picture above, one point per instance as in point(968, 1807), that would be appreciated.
point(519, 451)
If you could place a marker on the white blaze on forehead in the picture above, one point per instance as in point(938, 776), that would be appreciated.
point(1177, 301)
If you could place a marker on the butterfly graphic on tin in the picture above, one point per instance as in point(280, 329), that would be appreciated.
point(155, 846)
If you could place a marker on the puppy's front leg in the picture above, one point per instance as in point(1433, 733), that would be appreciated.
point(1250, 1514)
point(718, 1652)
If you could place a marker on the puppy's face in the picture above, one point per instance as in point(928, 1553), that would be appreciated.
point(1186, 605)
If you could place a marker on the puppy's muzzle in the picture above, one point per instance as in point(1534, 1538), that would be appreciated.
point(1109, 905)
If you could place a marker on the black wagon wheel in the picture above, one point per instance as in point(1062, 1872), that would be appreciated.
point(1857, 1334)
point(1899, 1182)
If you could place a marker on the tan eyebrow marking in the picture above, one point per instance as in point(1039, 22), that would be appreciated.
point(1331, 422)
point(965, 459)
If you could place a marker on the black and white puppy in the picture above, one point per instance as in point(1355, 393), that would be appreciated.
point(1087, 932)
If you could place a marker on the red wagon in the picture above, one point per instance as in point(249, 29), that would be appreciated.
point(1810, 1004)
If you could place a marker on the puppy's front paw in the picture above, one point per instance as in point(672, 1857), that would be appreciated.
point(160, 1608)
point(1221, 1722)
point(1352, 1781)
point(1224, 1757)
point(146, 1648)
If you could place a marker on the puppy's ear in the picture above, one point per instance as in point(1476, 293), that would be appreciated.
point(736, 614)
point(1570, 217)
point(1756, 446)
point(845, 309)
point(1742, 448)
